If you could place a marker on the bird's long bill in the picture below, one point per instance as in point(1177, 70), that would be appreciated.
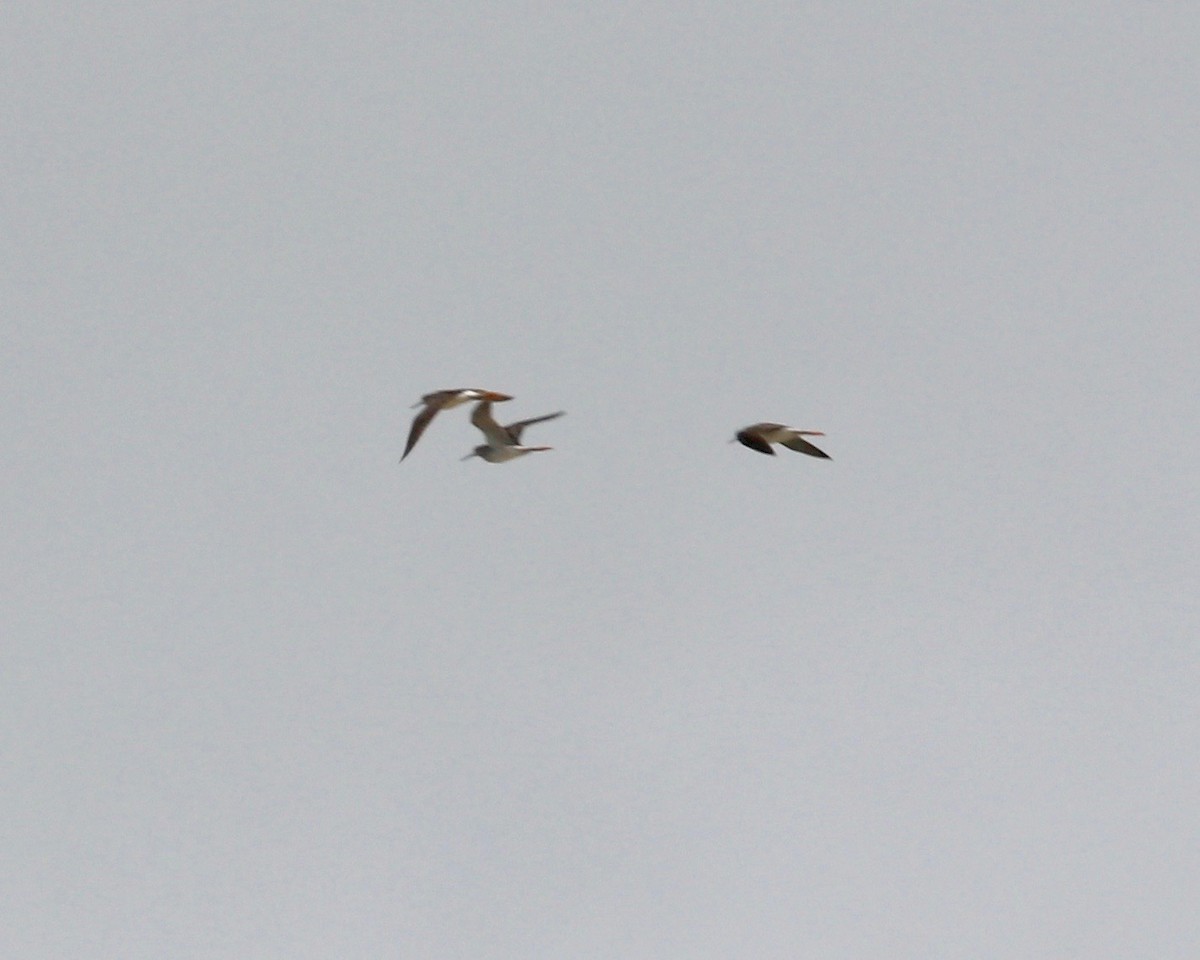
point(473, 453)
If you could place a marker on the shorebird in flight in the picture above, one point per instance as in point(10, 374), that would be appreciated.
point(760, 436)
point(503, 442)
point(444, 400)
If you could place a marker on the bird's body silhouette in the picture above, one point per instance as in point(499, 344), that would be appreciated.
point(440, 400)
point(760, 436)
point(503, 441)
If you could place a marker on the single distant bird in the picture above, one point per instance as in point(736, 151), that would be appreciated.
point(503, 442)
point(760, 436)
point(444, 400)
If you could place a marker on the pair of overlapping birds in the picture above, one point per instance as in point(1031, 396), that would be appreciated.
point(504, 441)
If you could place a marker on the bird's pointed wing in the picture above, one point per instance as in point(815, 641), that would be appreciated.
point(800, 445)
point(482, 417)
point(420, 422)
point(516, 429)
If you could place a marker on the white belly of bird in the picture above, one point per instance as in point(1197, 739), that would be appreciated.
point(502, 454)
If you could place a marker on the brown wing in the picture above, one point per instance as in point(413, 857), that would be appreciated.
point(481, 417)
point(420, 422)
point(516, 429)
point(753, 439)
point(800, 445)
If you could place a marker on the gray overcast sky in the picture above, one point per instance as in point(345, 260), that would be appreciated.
point(268, 693)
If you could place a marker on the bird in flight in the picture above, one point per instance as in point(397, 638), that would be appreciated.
point(760, 436)
point(503, 442)
point(444, 400)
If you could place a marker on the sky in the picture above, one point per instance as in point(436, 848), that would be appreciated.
point(267, 692)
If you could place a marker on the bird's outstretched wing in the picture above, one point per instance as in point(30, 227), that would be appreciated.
point(481, 416)
point(516, 429)
point(800, 445)
point(420, 422)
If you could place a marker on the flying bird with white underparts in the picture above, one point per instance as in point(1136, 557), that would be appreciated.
point(760, 436)
point(444, 400)
point(503, 442)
